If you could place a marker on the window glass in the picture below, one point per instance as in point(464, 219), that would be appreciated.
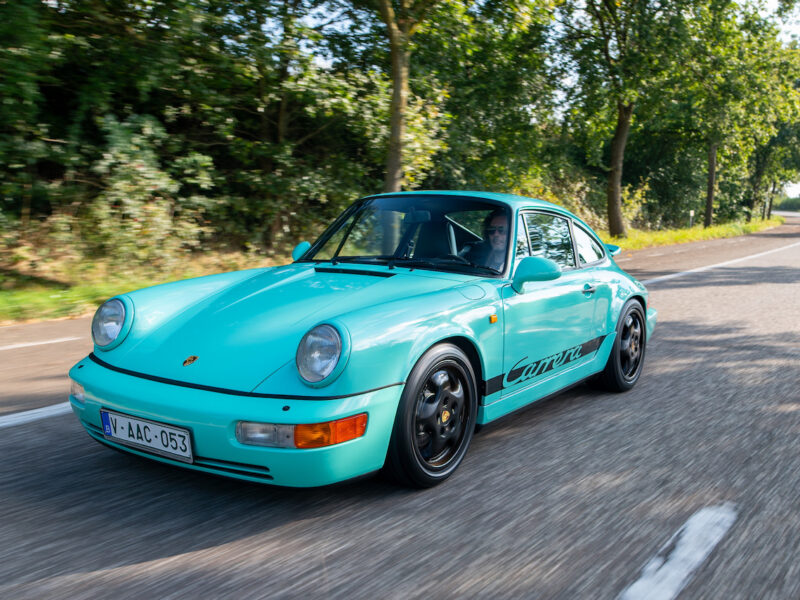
point(589, 250)
point(366, 236)
point(471, 220)
point(442, 233)
point(523, 249)
point(549, 238)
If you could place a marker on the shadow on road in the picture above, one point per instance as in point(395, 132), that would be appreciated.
point(553, 488)
point(722, 276)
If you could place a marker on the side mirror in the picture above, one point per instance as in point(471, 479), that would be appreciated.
point(613, 250)
point(534, 268)
point(300, 249)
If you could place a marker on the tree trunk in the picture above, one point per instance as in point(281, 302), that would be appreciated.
point(394, 160)
point(288, 43)
point(712, 181)
point(400, 56)
point(756, 179)
point(771, 197)
point(616, 226)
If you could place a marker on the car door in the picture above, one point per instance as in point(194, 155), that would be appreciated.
point(593, 266)
point(550, 328)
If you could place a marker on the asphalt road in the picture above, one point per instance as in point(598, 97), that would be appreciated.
point(568, 498)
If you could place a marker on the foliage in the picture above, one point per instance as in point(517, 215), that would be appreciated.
point(140, 134)
point(491, 58)
point(791, 204)
point(139, 216)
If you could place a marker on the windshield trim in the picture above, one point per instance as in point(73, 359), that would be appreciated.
point(444, 267)
point(452, 267)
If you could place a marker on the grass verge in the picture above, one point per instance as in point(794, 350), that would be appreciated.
point(645, 239)
point(62, 289)
point(70, 290)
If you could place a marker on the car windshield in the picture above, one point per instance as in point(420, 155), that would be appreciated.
point(449, 233)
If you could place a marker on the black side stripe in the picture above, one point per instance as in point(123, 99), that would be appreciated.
point(530, 370)
point(219, 390)
point(495, 384)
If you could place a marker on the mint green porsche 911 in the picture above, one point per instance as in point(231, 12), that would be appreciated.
point(414, 318)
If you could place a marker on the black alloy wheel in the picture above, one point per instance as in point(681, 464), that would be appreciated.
point(625, 363)
point(435, 419)
point(631, 346)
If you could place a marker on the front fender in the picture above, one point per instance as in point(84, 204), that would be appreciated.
point(388, 340)
point(625, 287)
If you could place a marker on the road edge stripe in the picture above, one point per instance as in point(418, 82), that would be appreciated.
point(29, 344)
point(714, 266)
point(29, 416)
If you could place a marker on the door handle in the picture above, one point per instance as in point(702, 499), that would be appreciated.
point(588, 288)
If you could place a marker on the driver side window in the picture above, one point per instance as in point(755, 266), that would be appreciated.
point(549, 237)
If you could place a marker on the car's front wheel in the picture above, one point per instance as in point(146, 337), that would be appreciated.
point(627, 355)
point(435, 419)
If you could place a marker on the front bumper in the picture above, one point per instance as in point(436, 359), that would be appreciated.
point(211, 417)
point(652, 319)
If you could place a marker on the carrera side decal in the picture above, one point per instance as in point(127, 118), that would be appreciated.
point(525, 370)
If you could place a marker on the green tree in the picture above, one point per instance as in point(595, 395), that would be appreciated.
point(492, 60)
point(618, 52)
point(23, 137)
point(402, 19)
point(739, 81)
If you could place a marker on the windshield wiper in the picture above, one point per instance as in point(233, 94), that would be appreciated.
point(444, 262)
point(418, 262)
point(360, 259)
point(484, 268)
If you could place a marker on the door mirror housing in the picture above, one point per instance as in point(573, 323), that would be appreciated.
point(613, 250)
point(300, 249)
point(534, 268)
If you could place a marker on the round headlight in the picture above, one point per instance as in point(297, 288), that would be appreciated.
point(107, 322)
point(318, 353)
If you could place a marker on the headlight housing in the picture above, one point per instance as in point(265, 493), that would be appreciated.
point(319, 353)
point(108, 323)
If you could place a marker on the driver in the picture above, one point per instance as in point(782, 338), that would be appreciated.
point(491, 252)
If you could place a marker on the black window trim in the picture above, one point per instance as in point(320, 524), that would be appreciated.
point(596, 239)
point(520, 215)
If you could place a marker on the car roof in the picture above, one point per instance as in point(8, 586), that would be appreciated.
point(512, 200)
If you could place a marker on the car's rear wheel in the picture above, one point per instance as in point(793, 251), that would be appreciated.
point(626, 360)
point(435, 419)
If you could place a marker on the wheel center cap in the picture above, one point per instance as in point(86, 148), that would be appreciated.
point(445, 416)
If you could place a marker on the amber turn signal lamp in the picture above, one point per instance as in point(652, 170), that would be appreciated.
point(493, 319)
point(317, 435)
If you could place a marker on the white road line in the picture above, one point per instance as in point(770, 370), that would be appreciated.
point(715, 266)
point(668, 572)
point(34, 415)
point(28, 344)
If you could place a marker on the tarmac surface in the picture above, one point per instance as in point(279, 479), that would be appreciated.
point(567, 498)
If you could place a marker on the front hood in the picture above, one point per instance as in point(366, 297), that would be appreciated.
point(247, 331)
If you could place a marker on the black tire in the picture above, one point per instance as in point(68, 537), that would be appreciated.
point(435, 418)
point(626, 360)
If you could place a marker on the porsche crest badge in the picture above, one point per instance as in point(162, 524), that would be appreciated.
point(190, 360)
